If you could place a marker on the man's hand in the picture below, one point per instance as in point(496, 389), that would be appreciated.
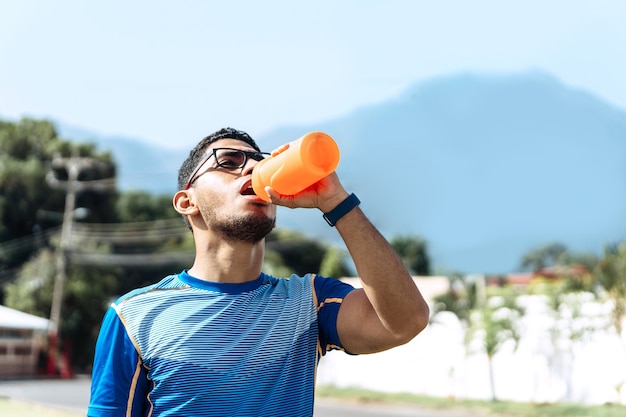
point(325, 195)
point(389, 310)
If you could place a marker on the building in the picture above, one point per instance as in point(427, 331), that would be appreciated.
point(23, 338)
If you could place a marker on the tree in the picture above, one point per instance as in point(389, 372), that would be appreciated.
point(461, 298)
point(32, 288)
point(34, 179)
point(333, 264)
point(27, 202)
point(495, 325)
point(567, 321)
point(413, 252)
point(490, 323)
point(89, 292)
point(543, 256)
point(86, 295)
point(288, 252)
point(27, 147)
point(140, 206)
point(587, 260)
point(611, 273)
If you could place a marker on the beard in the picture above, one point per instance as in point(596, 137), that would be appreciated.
point(250, 228)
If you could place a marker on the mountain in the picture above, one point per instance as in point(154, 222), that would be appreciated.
point(484, 167)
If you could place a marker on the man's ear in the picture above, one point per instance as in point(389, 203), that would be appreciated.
point(183, 203)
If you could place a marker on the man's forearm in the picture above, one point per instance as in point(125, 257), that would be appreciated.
point(387, 283)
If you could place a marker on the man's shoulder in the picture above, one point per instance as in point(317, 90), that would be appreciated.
point(169, 282)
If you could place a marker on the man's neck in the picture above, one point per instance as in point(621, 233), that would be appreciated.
point(224, 261)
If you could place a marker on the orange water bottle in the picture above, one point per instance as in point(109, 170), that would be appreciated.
point(296, 165)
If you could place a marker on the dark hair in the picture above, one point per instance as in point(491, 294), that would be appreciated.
point(197, 153)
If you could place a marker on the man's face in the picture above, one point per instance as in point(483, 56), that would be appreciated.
point(225, 197)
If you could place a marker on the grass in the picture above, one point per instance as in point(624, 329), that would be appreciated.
point(487, 408)
point(15, 408)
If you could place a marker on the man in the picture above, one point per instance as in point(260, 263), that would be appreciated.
point(225, 339)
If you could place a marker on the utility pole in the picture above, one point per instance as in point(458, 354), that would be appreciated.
point(74, 165)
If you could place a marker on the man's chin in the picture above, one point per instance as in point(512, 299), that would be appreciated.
point(251, 229)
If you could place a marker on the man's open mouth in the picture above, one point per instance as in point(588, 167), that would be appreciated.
point(247, 189)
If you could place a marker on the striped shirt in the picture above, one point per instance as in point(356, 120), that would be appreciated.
point(189, 347)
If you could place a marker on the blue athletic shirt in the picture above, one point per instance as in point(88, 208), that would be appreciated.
point(189, 347)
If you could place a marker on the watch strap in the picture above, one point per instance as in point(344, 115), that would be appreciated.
point(341, 210)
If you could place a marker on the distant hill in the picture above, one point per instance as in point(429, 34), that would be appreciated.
point(483, 167)
point(140, 165)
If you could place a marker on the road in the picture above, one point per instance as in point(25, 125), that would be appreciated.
point(73, 394)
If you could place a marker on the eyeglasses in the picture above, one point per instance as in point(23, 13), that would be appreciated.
point(227, 158)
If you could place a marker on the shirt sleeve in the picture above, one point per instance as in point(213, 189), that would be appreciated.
point(119, 384)
point(330, 293)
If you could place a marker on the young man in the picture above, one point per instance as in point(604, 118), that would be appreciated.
point(225, 339)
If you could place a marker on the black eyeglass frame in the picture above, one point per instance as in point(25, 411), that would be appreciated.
point(257, 156)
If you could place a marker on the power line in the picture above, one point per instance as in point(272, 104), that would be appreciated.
point(135, 226)
point(8, 275)
point(29, 241)
point(135, 259)
point(147, 232)
point(143, 234)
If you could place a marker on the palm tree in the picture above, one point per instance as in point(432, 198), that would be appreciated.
point(611, 274)
point(493, 325)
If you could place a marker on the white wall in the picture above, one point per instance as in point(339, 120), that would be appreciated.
point(544, 368)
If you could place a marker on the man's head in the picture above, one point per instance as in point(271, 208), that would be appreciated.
point(198, 153)
point(222, 199)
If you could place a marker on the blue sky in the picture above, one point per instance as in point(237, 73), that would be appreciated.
point(172, 72)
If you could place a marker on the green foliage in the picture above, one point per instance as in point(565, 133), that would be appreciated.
point(460, 299)
point(32, 200)
point(413, 252)
point(566, 281)
point(85, 299)
point(491, 316)
point(565, 302)
point(140, 206)
point(23, 191)
point(297, 254)
point(543, 256)
point(469, 407)
point(490, 324)
point(27, 150)
point(273, 264)
point(611, 273)
point(31, 291)
point(556, 254)
point(88, 293)
point(28, 139)
point(585, 259)
point(333, 264)
point(495, 325)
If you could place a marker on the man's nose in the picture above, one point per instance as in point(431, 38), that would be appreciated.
point(249, 166)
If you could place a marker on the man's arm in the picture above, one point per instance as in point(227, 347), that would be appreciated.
point(119, 384)
point(389, 310)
